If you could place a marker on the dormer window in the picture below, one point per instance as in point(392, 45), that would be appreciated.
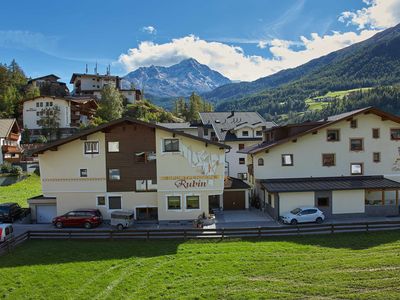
point(258, 133)
point(245, 133)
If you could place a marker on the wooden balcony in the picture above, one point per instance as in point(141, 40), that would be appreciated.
point(10, 149)
point(13, 136)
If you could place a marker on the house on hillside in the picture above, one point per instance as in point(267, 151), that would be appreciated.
point(10, 136)
point(346, 165)
point(72, 112)
point(91, 84)
point(159, 173)
point(49, 86)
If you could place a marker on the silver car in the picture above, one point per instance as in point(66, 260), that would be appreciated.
point(303, 215)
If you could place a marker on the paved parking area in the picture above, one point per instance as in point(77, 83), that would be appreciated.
point(243, 218)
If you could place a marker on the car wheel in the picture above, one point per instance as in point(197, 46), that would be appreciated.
point(293, 222)
point(59, 225)
point(87, 225)
point(120, 227)
point(319, 220)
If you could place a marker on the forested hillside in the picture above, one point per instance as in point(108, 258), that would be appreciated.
point(372, 63)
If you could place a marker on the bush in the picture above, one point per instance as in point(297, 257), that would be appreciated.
point(6, 167)
point(16, 170)
point(41, 139)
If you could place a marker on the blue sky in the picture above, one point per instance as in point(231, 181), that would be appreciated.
point(243, 40)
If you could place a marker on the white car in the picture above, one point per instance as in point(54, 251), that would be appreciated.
point(6, 232)
point(303, 215)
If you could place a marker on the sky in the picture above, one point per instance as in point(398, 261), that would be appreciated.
point(243, 40)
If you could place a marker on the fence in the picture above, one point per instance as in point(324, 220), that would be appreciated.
point(195, 233)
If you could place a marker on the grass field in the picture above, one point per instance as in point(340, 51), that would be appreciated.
point(345, 266)
point(21, 191)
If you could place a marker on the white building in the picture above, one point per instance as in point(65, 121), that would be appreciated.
point(92, 84)
point(238, 130)
point(346, 165)
point(72, 112)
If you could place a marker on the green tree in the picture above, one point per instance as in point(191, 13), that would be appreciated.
point(50, 121)
point(25, 136)
point(111, 104)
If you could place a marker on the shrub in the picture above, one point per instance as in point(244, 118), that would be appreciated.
point(41, 139)
point(16, 170)
point(6, 167)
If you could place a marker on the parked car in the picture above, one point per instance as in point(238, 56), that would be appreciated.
point(6, 232)
point(9, 212)
point(87, 218)
point(303, 215)
point(122, 219)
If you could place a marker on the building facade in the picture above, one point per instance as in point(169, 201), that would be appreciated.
point(72, 112)
point(346, 165)
point(158, 173)
point(10, 137)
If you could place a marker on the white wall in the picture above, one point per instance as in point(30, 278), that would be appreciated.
point(290, 201)
point(308, 151)
point(29, 112)
point(232, 157)
point(346, 202)
point(251, 130)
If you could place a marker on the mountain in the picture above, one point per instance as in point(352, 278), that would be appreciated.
point(178, 80)
point(371, 63)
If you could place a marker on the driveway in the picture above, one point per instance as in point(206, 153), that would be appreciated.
point(243, 218)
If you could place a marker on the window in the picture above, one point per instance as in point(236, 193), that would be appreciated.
point(114, 174)
point(356, 169)
point(328, 160)
point(395, 134)
point(261, 161)
point(114, 202)
point(113, 146)
point(41, 104)
point(242, 160)
point(323, 201)
point(171, 145)
point(376, 157)
point(37, 104)
point(287, 159)
point(143, 157)
point(356, 145)
point(205, 131)
point(258, 133)
point(242, 176)
point(83, 172)
point(174, 202)
point(375, 133)
point(145, 185)
point(192, 202)
point(241, 146)
point(332, 135)
point(212, 134)
point(37, 114)
point(101, 201)
point(47, 104)
point(91, 147)
point(245, 133)
point(51, 103)
point(353, 123)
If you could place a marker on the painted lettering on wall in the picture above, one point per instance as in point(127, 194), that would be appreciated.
point(182, 183)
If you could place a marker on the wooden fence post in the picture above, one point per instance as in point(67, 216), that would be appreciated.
point(332, 228)
point(223, 233)
point(148, 234)
point(184, 234)
point(259, 231)
point(367, 227)
point(111, 235)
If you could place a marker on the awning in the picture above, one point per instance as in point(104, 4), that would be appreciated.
point(328, 184)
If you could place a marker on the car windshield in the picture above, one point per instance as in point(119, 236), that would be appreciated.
point(295, 211)
point(3, 208)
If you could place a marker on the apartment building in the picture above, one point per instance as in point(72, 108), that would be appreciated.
point(72, 112)
point(49, 86)
point(346, 165)
point(159, 173)
point(92, 84)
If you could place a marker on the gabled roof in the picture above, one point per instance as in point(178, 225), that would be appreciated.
point(44, 77)
point(328, 184)
point(232, 183)
point(6, 126)
point(90, 131)
point(319, 125)
point(74, 75)
point(223, 122)
point(177, 126)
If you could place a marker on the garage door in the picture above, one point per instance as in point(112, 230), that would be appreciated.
point(45, 213)
point(234, 200)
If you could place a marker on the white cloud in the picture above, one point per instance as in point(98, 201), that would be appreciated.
point(149, 29)
point(379, 14)
point(18, 39)
point(231, 61)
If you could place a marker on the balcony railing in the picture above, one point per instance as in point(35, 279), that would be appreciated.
point(13, 136)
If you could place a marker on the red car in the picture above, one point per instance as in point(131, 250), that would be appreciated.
point(87, 218)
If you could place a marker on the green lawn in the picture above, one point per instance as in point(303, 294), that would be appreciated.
point(21, 191)
point(345, 266)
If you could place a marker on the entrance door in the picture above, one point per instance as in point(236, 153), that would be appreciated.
point(234, 200)
point(147, 213)
point(323, 201)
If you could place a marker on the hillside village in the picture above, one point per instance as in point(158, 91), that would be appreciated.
point(179, 180)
